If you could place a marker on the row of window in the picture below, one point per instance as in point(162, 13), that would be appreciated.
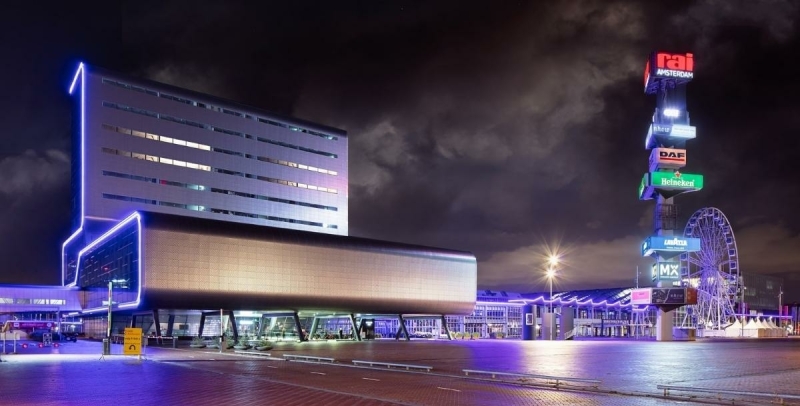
point(215, 190)
point(217, 108)
point(117, 259)
point(168, 161)
point(209, 127)
point(20, 300)
point(189, 144)
point(212, 210)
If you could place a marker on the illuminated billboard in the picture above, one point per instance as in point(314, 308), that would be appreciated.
point(668, 134)
point(668, 183)
point(645, 191)
point(667, 158)
point(641, 296)
point(666, 271)
point(664, 296)
point(676, 180)
point(675, 244)
point(662, 66)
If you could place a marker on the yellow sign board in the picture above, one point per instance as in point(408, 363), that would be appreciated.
point(133, 342)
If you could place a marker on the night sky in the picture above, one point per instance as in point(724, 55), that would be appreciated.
point(502, 128)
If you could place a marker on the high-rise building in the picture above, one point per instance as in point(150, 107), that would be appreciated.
point(185, 203)
point(141, 145)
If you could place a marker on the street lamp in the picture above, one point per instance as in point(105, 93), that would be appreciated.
point(107, 346)
point(550, 274)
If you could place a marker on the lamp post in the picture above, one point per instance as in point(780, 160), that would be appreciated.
point(551, 273)
point(108, 332)
point(107, 344)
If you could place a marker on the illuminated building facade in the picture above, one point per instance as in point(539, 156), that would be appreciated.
point(189, 202)
point(147, 146)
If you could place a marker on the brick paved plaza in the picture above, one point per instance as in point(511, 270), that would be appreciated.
point(628, 370)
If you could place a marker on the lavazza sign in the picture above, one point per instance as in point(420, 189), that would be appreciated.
point(676, 242)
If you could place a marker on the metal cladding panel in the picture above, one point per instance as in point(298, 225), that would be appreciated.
point(206, 264)
point(279, 180)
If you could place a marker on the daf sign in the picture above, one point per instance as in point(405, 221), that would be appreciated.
point(667, 158)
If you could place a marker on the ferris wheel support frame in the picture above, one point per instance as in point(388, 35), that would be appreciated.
point(714, 271)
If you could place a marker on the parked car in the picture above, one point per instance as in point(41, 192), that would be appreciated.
point(38, 335)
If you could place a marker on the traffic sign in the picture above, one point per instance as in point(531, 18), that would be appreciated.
point(133, 342)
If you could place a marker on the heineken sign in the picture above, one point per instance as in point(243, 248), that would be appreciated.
point(645, 190)
point(676, 180)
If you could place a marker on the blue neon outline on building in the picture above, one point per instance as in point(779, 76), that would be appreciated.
point(80, 72)
point(119, 226)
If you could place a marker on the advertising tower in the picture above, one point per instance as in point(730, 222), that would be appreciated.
point(666, 76)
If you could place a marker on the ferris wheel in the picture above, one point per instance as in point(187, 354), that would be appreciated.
point(714, 270)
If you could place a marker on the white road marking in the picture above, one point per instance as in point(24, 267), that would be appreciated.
point(270, 366)
point(371, 379)
point(454, 390)
point(318, 373)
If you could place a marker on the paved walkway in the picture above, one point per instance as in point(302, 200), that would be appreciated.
point(629, 371)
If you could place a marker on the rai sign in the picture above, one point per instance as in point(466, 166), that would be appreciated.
point(661, 66)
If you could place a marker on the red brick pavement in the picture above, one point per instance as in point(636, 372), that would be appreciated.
point(201, 377)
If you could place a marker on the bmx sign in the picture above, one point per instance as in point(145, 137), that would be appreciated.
point(666, 271)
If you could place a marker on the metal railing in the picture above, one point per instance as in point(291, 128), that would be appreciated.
point(260, 353)
point(307, 358)
point(571, 334)
point(391, 364)
point(779, 396)
point(557, 379)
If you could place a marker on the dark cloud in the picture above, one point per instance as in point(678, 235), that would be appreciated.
point(34, 200)
point(494, 128)
point(29, 174)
